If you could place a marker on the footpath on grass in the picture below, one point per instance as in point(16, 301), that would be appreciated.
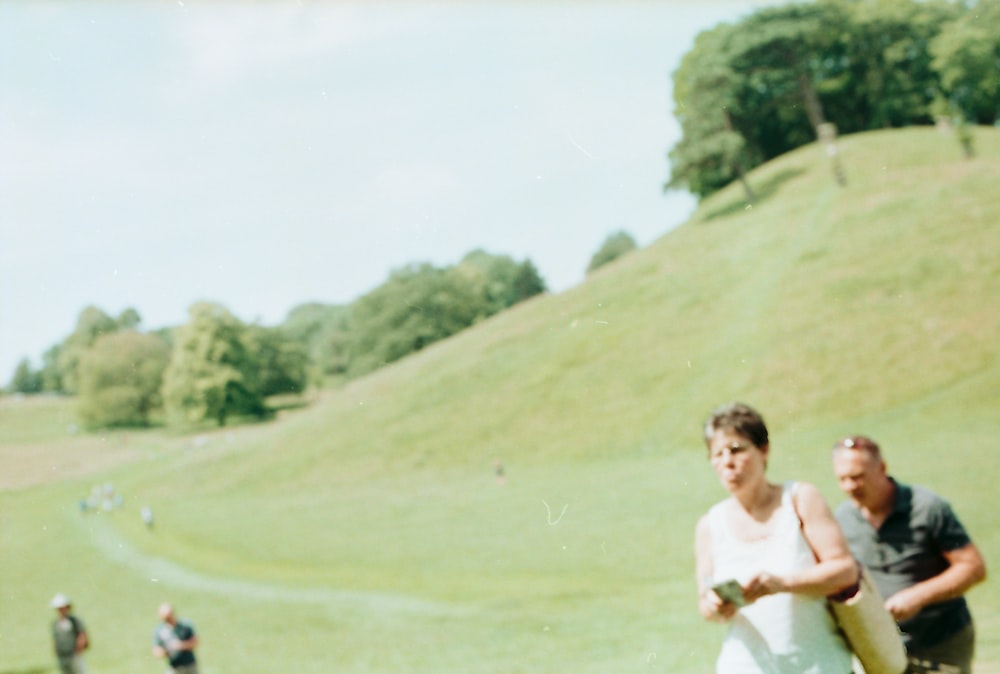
point(167, 572)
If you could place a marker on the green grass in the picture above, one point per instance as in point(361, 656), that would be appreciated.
point(366, 533)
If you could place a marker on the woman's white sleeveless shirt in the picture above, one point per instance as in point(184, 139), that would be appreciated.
point(782, 633)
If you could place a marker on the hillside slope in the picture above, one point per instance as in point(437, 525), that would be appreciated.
point(820, 304)
point(368, 533)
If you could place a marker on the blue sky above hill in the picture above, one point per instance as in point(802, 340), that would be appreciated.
point(263, 155)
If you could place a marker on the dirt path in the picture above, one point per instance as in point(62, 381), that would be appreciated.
point(167, 572)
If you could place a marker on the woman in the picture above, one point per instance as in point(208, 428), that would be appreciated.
point(782, 546)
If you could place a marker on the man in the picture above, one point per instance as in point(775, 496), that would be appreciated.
point(920, 557)
point(69, 637)
point(175, 640)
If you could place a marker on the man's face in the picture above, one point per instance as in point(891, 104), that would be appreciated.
point(859, 475)
point(167, 614)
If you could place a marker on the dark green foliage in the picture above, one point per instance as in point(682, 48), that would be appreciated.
point(281, 362)
point(322, 330)
point(966, 54)
point(527, 282)
point(503, 281)
point(25, 379)
point(120, 380)
point(614, 247)
point(754, 90)
point(51, 374)
point(710, 153)
point(419, 305)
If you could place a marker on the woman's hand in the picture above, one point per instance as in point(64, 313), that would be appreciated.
point(713, 607)
point(762, 585)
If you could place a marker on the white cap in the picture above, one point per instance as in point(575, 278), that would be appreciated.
point(60, 601)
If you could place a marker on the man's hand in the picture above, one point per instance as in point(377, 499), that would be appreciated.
point(904, 604)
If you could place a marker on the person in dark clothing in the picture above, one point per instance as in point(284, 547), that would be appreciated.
point(69, 637)
point(175, 640)
point(918, 554)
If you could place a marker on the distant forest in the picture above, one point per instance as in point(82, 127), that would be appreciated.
point(216, 367)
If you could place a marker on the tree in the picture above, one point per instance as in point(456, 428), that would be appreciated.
point(710, 153)
point(503, 281)
point(120, 380)
point(25, 379)
point(966, 57)
point(91, 324)
point(417, 306)
point(212, 372)
point(615, 246)
point(751, 91)
point(51, 374)
point(527, 282)
point(322, 330)
point(281, 362)
point(888, 52)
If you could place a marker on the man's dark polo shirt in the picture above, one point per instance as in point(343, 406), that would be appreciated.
point(906, 549)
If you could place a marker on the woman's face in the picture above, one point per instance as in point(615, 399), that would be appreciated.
point(736, 460)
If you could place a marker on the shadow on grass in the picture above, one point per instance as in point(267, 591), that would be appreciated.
point(282, 405)
point(29, 670)
point(764, 191)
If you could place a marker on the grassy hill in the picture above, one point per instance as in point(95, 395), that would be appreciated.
point(367, 532)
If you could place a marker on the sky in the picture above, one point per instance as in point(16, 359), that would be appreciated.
point(266, 154)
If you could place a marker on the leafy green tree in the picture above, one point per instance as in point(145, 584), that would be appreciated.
point(281, 363)
point(966, 57)
point(710, 153)
point(774, 54)
point(888, 52)
point(503, 281)
point(120, 379)
point(25, 379)
point(527, 282)
point(753, 90)
point(51, 374)
point(417, 306)
point(322, 330)
point(614, 247)
point(212, 370)
point(91, 324)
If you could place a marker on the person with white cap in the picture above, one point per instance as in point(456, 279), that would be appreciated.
point(69, 637)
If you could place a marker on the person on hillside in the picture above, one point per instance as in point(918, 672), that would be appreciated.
point(781, 550)
point(175, 640)
point(147, 516)
point(920, 557)
point(69, 637)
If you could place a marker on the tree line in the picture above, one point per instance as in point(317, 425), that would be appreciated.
point(752, 90)
point(216, 367)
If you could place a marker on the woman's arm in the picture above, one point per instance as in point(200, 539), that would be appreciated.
point(710, 604)
point(835, 568)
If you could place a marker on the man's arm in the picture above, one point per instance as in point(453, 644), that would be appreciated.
point(190, 640)
point(82, 642)
point(966, 568)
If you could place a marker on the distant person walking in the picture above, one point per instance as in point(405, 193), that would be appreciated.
point(69, 637)
point(918, 553)
point(175, 640)
point(767, 557)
